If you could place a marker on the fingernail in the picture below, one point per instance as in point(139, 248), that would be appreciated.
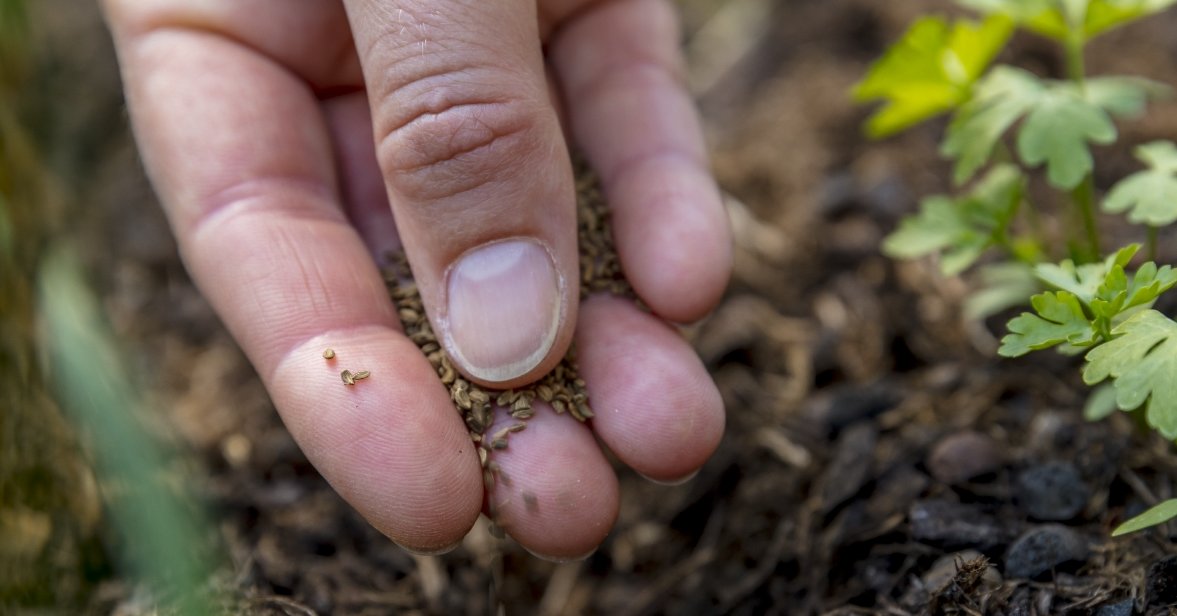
point(672, 482)
point(423, 552)
point(503, 309)
point(560, 559)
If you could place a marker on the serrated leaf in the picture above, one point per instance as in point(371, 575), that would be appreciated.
point(930, 70)
point(1118, 293)
point(961, 229)
point(1083, 281)
point(1056, 18)
point(1061, 119)
point(1149, 196)
point(1157, 514)
point(999, 100)
point(939, 226)
point(1057, 131)
point(1142, 360)
point(1057, 318)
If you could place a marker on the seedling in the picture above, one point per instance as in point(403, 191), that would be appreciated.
point(1010, 128)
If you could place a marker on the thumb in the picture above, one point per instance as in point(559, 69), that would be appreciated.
point(478, 176)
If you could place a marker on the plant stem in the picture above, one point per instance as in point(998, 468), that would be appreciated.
point(1151, 244)
point(1083, 196)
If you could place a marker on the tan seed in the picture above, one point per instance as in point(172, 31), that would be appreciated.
point(329, 354)
point(348, 377)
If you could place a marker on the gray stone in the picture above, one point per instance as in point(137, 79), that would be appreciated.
point(1043, 548)
point(963, 455)
point(1053, 492)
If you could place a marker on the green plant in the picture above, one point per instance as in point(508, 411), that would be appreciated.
point(1010, 128)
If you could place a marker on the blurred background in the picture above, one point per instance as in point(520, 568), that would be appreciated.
point(139, 452)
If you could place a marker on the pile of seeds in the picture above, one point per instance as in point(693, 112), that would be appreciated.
point(562, 388)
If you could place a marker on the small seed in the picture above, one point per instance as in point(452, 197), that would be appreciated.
point(501, 434)
point(361, 375)
point(498, 443)
point(329, 354)
point(348, 378)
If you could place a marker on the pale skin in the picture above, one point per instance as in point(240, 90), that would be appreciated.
point(293, 142)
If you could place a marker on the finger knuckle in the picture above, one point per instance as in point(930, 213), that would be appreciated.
point(456, 138)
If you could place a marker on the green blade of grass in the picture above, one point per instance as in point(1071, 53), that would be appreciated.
point(164, 539)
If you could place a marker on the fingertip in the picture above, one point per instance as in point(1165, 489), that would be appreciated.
point(555, 492)
point(673, 237)
point(391, 444)
point(656, 407)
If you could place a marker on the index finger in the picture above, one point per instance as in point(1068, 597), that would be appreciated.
point(236, 145)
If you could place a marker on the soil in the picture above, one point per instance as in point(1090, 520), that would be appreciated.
point(878, 457)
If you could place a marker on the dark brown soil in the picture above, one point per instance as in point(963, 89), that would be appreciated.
point(876, 449)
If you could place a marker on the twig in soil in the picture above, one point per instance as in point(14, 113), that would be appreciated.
point(1138, 486)
point(560, 587)
point(433, 580)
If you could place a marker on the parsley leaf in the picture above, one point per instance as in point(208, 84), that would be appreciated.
point(1057, 132)
point(930, 70)
point(1061, 118)
point(1142, 360)
point(1118, 293)
point(1059, 319)
point(1057, 18)
point(1149, 196)
point(1084, 281)
point(962, 228)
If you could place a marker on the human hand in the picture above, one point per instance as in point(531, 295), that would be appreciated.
point(254, 123)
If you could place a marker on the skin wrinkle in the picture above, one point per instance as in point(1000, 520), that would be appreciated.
point(259, 292)
point(257, 196)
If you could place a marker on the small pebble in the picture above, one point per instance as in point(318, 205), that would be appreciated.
point(964, 455)
point(955, 526)
point(1043, 548)
point(1161, 584)
point(1123, 607)
point(1052, 492)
